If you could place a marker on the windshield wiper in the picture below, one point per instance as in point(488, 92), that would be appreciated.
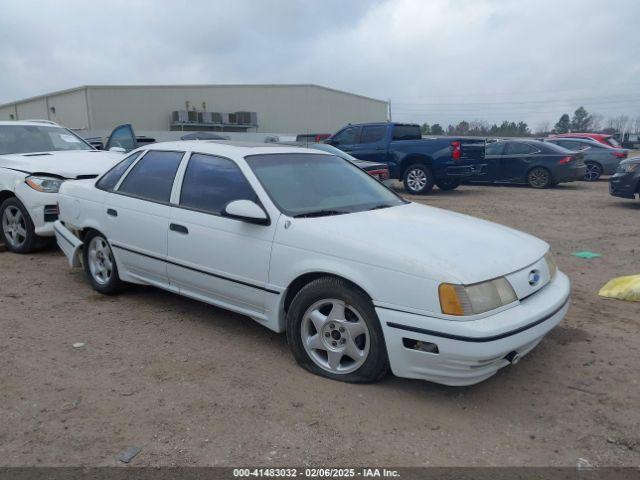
point(319, 213)
point(378, 207)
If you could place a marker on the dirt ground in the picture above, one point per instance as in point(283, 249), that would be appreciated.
point(195, 385)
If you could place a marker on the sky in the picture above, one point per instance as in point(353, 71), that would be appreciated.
point(437, 61)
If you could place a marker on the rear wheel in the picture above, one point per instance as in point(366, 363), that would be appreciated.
point(594, 170)
point(333, 331)
point(17, 232)
point(539, 177)
point(418, 179)
point(447, 184)
point(100, 265)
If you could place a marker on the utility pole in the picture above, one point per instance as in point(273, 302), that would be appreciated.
point(389, 109)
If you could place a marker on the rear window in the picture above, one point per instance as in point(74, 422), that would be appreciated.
point(152, 177)
point(612, 141)
point(373, 133)
point(406, 132)
point(110, 179)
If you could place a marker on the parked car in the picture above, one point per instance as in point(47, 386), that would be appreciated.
point(379, 171)
point(598, 158)
point(628, 140)
point(625, 182)
point(603, 138)
point(419, 163)
point(360, 279)
point(530, 162)
point(35, 159)
point(312, 137)
point(96, 142)
point(204, 136)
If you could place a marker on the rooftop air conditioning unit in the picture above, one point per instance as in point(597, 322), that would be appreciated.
point(192, 116)
point(179, 116)
point(207, 117)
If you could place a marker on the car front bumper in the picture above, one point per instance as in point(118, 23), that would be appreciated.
point(42, 208)
point(472, 351)
point(624, 185)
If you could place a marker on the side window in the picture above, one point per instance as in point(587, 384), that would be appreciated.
point(346, 136)
point(152, 177)
point(373, 133)
point(569, 145)
point(494, 148)
point(210, 183)
point(110, 179)
point(517, 148)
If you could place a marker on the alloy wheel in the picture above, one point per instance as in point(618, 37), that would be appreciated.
point(593, 172)
point(539, 178)
point(14, 226)
point(416, 179)
point(335, 336)
point(100, 260)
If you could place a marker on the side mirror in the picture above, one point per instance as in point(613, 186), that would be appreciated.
point(247, 211)
point(117, 150)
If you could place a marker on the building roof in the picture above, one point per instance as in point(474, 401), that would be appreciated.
point(83, 87)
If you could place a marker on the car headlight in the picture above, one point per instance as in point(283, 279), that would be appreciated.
point(629, 167)
point(477, 298)
point(551, 265)
point(44, 184)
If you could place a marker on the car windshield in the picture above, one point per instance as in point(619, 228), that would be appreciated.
point(612, 141)
point(306, 185)
point(38, 138)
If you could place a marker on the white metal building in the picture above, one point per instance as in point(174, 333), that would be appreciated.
point(233, 108)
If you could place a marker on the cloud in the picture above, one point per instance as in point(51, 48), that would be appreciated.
point(438, 61)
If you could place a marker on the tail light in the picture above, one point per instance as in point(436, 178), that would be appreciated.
point(381, 174)
point(565, 160)
point(620, 154)
point(456, 151)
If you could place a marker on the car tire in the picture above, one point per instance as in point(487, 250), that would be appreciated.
point(447, 184)
point(333, 331)
point(17, 231)
point(418, 179)
point(100, 265)
point(539, 177)
point(594, 171)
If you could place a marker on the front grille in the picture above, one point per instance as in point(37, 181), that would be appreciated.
point(51, 213)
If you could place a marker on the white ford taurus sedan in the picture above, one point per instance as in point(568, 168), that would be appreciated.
point(305, 242)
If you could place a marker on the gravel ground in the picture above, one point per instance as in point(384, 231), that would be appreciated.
point(195, 385)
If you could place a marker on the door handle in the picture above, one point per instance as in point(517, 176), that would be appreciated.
point(112, 212)
point(179, 228)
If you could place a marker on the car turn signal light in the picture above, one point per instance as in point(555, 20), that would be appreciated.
point(449, 300)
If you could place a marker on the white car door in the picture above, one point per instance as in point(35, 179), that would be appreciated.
point(215, 258)
point(137, 214)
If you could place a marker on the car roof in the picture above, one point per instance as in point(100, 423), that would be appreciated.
point(577, 134)
point(230, 148)
point(43, 123)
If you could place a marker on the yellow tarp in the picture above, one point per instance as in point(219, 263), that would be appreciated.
point(622, 288)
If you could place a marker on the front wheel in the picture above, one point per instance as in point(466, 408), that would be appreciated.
point(18, 232)
point(447, 184)
point(539, 177)
point(593, 171)
point(333, 331)
point(100, 265)
point(418, 179)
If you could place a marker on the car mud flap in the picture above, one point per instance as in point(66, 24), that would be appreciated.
point(68, 243)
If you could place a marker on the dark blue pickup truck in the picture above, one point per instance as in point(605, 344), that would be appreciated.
point(419, 163)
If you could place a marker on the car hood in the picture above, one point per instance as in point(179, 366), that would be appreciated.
point(67, 164)
point(419, 240)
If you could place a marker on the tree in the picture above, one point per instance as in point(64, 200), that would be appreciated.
point(563, 124)
point(581, 121)
point(425, 129)
point(542, 129)
point(462, 128)
point(436, 129)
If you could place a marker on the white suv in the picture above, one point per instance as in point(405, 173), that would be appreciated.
point(35, 158)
